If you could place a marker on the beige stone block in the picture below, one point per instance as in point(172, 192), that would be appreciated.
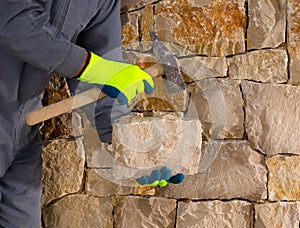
point(79, 211)
point(63, 168)
point(267, 23)
point(212, 28)
point(284, 178)
point(152, 142)
point(219, 106)
point(145, 212)
point(272, 123)
point(130, 30)
point(294, 40)
point(277, 215)
point(214, 214)
point(228, 169)
point(99, 183)
point(198, 68)
point(261, 66)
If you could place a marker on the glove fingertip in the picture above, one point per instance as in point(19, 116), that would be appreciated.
point(143, 180)
point(148, 88)
point(177, 179)
point(154, 176)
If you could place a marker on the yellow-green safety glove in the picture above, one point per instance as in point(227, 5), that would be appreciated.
point(117, 79)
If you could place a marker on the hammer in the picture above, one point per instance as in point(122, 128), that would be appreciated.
point(168, 64)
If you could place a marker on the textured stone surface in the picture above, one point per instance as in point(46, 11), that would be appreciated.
point(229, 169)
point(130, 30)
point(267, 23)
point(145, 212)
point(294, 40)
point(214, 214)
point(97, 184)
point(219, 107)
point(197, 68)
point(284, 178)
point(161, 99)
point(79, 211)
point(271, 122)
point(129, 5)
point(213, 28)
point(145, 143)
point(261, 66)
point(277, 215)
point(63, 168)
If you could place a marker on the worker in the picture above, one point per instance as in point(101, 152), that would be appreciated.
point(80, 40)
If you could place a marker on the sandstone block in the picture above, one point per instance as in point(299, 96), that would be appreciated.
point(129, 5)
point(294, 40)
point(229, 169)
point(79, 211)
point(198, 68)
point(214, 214)
point(267, 23)
point(261, 66)
point(153, 142)
point(130, 30)
point(272, 125)
point(214, 28)
point(63, 168)
point(145, 212)
point(99, 183)
point(284, 178)
point(277, 215)
point(219, 106)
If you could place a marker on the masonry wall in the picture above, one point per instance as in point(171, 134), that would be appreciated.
point(241, 64)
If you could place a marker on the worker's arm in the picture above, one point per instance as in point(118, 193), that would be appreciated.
point(26, 33)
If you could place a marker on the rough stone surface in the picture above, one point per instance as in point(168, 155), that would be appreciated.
point(214, 214)
point(277, 215)
point(130, 30)
point(146, 143)
point(294, 40)
point(98, 184)
point(129, 5)
point(198, 68)
point(63, 168)
point(227, 170)
point(219, 106)
point(267, 23)
point(261, 66)
point(79, 211)
point(271, 124)
point(143, 212)
point(213, 28)
point(284, 178)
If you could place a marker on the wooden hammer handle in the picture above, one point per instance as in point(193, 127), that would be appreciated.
point(76, 101)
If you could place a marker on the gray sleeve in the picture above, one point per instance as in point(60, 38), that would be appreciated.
point(26, 33)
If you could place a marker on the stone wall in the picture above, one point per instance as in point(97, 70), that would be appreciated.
point(241, 64)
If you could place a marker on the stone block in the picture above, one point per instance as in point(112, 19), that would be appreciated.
point(198, 68)
point(130, 30)
point(261, 66)
point(142, 144)
point(79, 211)
point(63, 168)
point(144, 212)
point(212, 28)
point(277, 215)
point(272, 123)
point(228, 170)
point(284, 178)
point(267, 23)
point(130, 5)
point(214, 214)
point(219, 106)
point(294, 40)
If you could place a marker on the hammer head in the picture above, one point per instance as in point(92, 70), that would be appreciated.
point(174, 80)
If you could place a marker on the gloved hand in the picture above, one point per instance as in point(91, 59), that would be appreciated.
point(117, 79)
point(161, 178)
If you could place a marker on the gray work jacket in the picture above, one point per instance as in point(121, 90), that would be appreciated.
point(40, 37)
